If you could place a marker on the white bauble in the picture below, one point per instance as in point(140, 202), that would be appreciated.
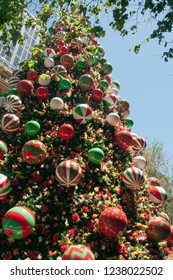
point(113, 119)
point(56, 103)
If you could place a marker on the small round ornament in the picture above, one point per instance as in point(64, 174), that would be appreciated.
point(12, 103)
point(59, 71)
point(18, 222)
point(123, 106)
point(157, 194)
point(133, 177)
point(42, 93)
point(89, 58)
point(97, 94)
point(68, 173)
point(112, 221)
point(4, 186)
point(60, 43)
point(103, 84)
point(86, 82)
point(65, 84)
point(152, 181)
point(85, 40)
point(18, 73)
point(100, 51)
point(32, 128)
point(110, 101)
point(114, 91)
point(48, 52)
point(10, 123)
point(3, 149)
point(34, 152)
point(108, 78)
point(60, 35)
point(129, 122)
point(170, 238)
point(96, 155)
point(66, 60)
point(113, 119)
point(56, 103)
point(123, 139)
point(81, 64)
point(13, 82)
point(107, 68)
point(66, 131)
point(25, 87)
point(139, 144)
point(32, 75)
point(78, 252)
point(49, 62)
point(44, 80)
point(63, 50)
point(140, 162)
point(158, 229)
point(83, 113)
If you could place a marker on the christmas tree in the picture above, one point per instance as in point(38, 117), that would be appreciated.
point(72, 181)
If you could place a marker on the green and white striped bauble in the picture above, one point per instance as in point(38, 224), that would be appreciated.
point(133, 177)
point(4, 186)
point(18, 222)
point(12, 103)
point(83, 113)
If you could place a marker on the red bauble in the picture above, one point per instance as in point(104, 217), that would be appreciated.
point(112, 221)
point(97, 94)
point(42, 93)
point(60, 43)
point(32, 75)
point(123, 139)
point(63, 50)
point(66, 132)
point(170, 238)
point(25, 87)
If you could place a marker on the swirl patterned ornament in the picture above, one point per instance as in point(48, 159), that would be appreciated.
point(10, 123)
point(78, 252)
point(4, 186)
point(34, 152)
point(157, 194)
point(12, 103)
point(83, 113)
point(68, 173)
point(158, 229)
point(18, 222)
point(133, 177)
point(112, 221)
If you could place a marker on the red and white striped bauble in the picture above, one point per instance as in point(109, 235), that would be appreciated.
point(13, 82)
point(140, 162)
point(10, 122)
point(4, 186)
point(83, 113)
point(49, 52)
point(152, 181)
point(133, 177)
point(139, 144)
point(68, 173)
point(157, 194)
point(12, 103)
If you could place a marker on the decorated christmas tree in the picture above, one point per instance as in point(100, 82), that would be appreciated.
point(72, 173)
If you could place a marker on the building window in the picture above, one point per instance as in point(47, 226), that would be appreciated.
point(8, 58)
point(16, 61)
point(19, 51)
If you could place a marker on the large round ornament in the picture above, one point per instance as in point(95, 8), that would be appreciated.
point(112, 221)
point(49, 62)
point(18, 222)
point(123, 139)
point(83, 113)
point(66, 131)
point(34, 152)
point(32, 75)
point(140, 162)
point(157, 194)
point(10, 123)
point(32, 128)
point(25, 87)
point(78, 252)
point(86, 82)
point(110, 101)
point(96, 155)
point(97, 94)
point(133, 177)
point(13, 82)
point(170, 238)
point(113, 119)
point(68, 173)
point(65, 84)
point(44, 80)
point(3, 149)
point(158, 229)
point(66, 60)
point(42, 93)
point(56, 103)
point(49, 52)
point(4, 186)
point(12, 103)
point(139, 144)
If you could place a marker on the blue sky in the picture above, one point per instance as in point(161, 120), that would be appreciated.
point(146, 82)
